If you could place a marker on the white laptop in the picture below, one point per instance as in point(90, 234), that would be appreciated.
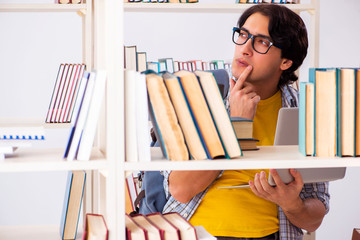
point(287, 133)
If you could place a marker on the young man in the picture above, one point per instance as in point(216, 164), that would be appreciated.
point(271, 43)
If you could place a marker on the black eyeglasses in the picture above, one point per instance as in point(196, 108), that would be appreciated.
point(261, 44)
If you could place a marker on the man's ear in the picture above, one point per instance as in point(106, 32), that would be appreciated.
point(285, 64)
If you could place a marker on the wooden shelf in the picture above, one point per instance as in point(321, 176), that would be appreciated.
point(264, 158)
point(41, 7)
point(38, 232)
point(36, 160)
point(202, 7)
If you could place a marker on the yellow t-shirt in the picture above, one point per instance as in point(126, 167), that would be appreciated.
point(239, 212)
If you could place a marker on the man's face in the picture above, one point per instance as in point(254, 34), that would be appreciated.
point(266, 67)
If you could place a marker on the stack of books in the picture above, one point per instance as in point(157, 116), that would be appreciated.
point(65, 93)
point(329, 113)
point(163, 226)
point(268, 1)
point(189, 116)
point(163, 1)
point(244, 132)
point(86, 116)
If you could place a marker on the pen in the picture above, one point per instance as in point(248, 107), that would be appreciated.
point(237, 186)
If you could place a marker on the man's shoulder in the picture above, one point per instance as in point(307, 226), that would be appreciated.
point(290, 96)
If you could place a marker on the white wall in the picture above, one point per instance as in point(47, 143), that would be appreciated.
point(32, 46)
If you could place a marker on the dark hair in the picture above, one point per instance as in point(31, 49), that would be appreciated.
point(286, 29)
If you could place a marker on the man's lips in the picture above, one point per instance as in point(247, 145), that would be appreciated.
point(242, 63)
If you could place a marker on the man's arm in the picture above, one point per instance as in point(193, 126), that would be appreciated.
point(184, 185)
point(306, 214)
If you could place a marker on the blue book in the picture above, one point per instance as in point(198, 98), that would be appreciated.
point(306, 119)
point(74, 192)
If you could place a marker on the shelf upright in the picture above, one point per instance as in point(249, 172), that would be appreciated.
point(108, 52)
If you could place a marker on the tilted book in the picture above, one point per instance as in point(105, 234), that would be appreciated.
point(192, 138)
point(202, 116)
point(164, 120)
point(220, 115)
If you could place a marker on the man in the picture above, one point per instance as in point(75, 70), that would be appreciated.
point(271, 43)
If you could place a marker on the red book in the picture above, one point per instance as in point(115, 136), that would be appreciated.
point(95, 227)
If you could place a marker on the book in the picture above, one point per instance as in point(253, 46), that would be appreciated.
point(131, 149)
point(202, 116)
point(89, 131)
point(95, 227)
point(219, 114)
point(133, 230)
point(357, 114)
point(129, 206)
point(168, 64)
point(306, 119)
point(73, 94)
point(137, 140)
point(74, 191)
point(68, 91)
point(59, 89)
point(356, 234)
point(77, 128)
point(142, 119)
point(141, 61)
point(187, 230)
point(130, 56)
point(55, 92)
point(170, 231)
point(63, 90)
point(154, 233)
point(164, 120)
point(325, 111)
point(21, 132)
point(202, 234)
point(248, 144)
point(131, 185)
point(155, 66)
point(192, 138)
point(243, 127)
point(346, 96)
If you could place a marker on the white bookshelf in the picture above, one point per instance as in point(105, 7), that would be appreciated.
point(103, 49)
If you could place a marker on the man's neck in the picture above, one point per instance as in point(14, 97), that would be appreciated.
point(265, 90)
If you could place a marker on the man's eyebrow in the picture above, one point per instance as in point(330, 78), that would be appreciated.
point(259, 35)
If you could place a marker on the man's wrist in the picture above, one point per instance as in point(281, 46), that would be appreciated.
point(294, 207)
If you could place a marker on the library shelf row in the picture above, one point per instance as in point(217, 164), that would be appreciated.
point(202, 7)
point(264, 158)
point(51, 7)
point(49, 159)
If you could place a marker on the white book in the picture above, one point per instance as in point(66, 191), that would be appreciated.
point(76, 133)
point(79, 100)
point(131, 135)
point(142, 119)
point(89, 131)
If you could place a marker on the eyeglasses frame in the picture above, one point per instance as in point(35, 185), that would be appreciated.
point(251, 36)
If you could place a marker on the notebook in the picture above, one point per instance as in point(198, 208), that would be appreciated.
point(287, 127)
point(22, 133)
